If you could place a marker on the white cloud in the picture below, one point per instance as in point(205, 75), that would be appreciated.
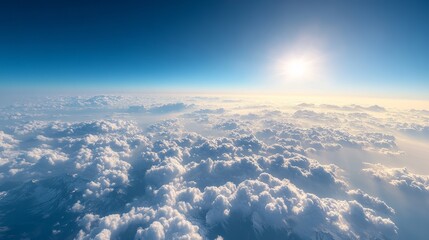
point(199, 171)
point(371, 202)
point(400, 177)
point(168, 108)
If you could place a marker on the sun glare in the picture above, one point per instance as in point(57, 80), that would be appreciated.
point(303, 67)
point(297, 68)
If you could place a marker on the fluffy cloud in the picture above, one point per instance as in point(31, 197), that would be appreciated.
point(265, 202)
point(168, 108)
point(371, 202)
point(400, 177)
point(6, 141)
point(418, 130)
point(7, 145)
point(200, 172)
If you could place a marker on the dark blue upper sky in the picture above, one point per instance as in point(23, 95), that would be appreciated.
point(369, 46)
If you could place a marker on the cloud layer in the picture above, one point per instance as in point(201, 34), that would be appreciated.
point(178, 170)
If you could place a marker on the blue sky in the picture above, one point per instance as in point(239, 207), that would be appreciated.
point(377, 47)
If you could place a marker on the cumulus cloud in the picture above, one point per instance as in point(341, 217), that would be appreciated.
point(196, 172)
point(417, 130)
point(93, 102)
point(371, 202)
point(136, 109)
point(401, 178)
point(265, 202)
point(168, 108)
point(315, 116)
point(6, 141)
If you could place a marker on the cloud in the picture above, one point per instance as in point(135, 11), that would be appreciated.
point(210, 171)
point(7, 141)
point(210, 111)
point(169, 108)
point(420, 111)
point(416, 130)
point(229, 125)
point(353, 107)
point(401, 178)
point(136, 109)
point(314, 116)
point(100, 101)
point(265, 201)
point(220, 179)
point(371, 202)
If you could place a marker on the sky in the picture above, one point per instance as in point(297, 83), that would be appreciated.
point(212, 119)
point(364, 47)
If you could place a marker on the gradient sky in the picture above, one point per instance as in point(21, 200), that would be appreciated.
point(375, 47)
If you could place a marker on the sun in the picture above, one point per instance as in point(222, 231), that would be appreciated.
point(305, 67)
point(297, 68)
